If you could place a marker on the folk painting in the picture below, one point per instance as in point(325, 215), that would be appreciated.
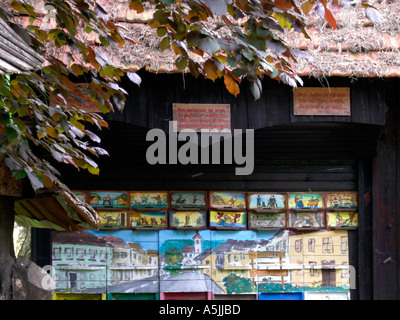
point(342, 201)
point(149, 200)
point(266, 201)
point(342, 220)
point(228, 200)
point(305, 201)
point(192, 200)
point(112, 219)
point(108, 200)
point(187, 219)
point(260, 221)
point(148, 220)
point(228, 219)
point(306, 220)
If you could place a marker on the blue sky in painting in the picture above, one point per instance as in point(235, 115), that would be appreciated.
point(163, 239)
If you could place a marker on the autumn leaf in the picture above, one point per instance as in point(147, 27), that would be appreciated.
point(210, 70)
point(231, 84)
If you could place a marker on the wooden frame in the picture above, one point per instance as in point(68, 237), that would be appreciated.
point(148, 220)
point(267, 221)
point(148, 200)
point(312, 220)
point(227, 200)
point(264, 202)
point(188, 200)
point(305, 201)
point(342, 220)
point(111, 220)
point(341, 201)
point(228, 220)
point(109, 200)
point(188, 220)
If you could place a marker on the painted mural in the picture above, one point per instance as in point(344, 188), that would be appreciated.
point(267, 220)
point(341, 200)
point(187, 219)
point(217, 261)
point(342, 220)
point(149, 200)
point(113, 219)
point(193, 200)
point(305, 201)
point(148, 220)
point(228, 219)
point(108, 200)
point(228, 200)
point(266, 201)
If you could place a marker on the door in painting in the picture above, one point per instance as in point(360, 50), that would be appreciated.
point(281, 296)
point(328, 274)
point(185, 296)
point(72, 280)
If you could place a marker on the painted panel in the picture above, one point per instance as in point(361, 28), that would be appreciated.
point(187, 219)
point(218, 261)
point(342, 220)
point(262, 221)
point(306, 220)
point(341, 201)
point(305, 201)
point(148, 220)
point(108, 200)
point(266, 201)
point(228, 200)
point(188, 200)
point(149, 200)
point(228, 220)
point(113, 219)
point(81, 195)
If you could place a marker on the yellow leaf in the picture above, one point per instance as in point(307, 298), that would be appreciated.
point(231, 84)
point(210, 70)
point(307, 6)
point(282, 20)
point(51, 132)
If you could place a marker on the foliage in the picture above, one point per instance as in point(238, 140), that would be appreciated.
point(173, 256)
point(237, 284)
point(45, 109)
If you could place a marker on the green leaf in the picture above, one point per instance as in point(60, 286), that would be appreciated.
point(164, 44)
point(19, 174)
point(181, 63)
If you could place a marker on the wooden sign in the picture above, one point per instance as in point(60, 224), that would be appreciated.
point(321, 102)
point(266, 202)
point(228, 200)
point(306, 220)
point(187, 219)
point(108, 199)
point(267, 221)
point(305, 201)
point(342, 220)
point(228, 220)
point(148, 220)
point(202, 116)
point(112, 219)
point(149, 200)
point(182, 200)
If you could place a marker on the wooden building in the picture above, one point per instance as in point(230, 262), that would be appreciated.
point(352, 152)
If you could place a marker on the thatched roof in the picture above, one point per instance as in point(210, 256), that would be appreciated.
point(16, 56)
point(358, 48)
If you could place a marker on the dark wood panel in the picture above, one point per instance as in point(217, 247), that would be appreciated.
point(150, 105)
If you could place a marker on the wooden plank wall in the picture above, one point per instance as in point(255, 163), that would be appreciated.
point(385, 200)
point(150, 105)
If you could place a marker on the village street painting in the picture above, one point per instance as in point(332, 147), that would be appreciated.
point(217, 261)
